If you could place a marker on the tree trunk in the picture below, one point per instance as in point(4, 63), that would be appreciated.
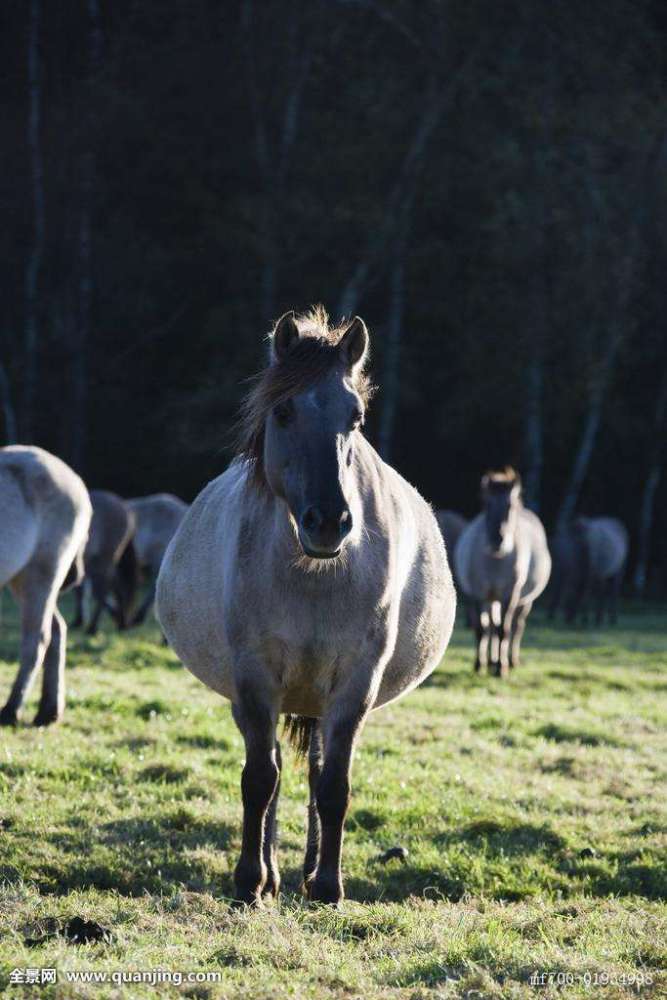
point(434, 106)
point(274, 159)
point(85, 290)
point(34, 263)
point(533, 427)
point(650, 489)
point(8, 413)
point(391, 380)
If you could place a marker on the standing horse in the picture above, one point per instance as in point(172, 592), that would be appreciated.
point(46, 514)
point(157, 518)
point(503, 563)
point(310, 579)
point(110, 561)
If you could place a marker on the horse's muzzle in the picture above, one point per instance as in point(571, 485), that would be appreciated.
point(322, 534)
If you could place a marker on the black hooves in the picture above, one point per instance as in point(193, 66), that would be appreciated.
point(8, 717)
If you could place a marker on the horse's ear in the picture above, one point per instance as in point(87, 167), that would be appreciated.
point(284, 337)
point(354, 344)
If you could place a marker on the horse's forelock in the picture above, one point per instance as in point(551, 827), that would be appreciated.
point(308, 361)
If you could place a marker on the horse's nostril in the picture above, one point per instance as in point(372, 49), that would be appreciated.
point(311, 519)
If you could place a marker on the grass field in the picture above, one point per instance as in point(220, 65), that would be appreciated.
point(534, 813)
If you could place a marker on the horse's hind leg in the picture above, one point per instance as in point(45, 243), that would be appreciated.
point(100, 584)
point(270, 846)
point(145, 605)
point(256, 718)
point(614, 595)
point(77, 621)
point(37, 598)
point(518, 628)
point(52, 702)
point(314, 774)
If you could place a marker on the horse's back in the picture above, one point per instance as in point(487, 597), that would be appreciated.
point(158, 517)
point(45, 506)
point(112, 524)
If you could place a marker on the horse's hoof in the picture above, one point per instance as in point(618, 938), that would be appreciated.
point(329, 893)
point(271, 888)
point(46, 718)
point(8, 717)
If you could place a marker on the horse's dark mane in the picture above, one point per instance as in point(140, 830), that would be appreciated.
point(315, 354)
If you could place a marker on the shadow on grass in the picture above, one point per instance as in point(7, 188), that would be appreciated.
point(505, 838)
point(587, 678)
point(563, 734)
point(134, 856)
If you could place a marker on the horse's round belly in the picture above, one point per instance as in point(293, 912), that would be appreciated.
point(420, 646)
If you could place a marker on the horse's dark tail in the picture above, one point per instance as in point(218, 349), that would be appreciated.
point(127, 580)
point(299, 729)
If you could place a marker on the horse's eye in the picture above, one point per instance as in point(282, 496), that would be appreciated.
point(283, 412)
point(357, 418)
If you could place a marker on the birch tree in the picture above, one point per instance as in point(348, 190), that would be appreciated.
point(34, 262)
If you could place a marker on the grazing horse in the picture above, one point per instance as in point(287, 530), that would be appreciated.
point(590, 556)
point(109, 560)
point(46, 514)
point(607, 547)
point(502, 560)
point(569, 577)
point(308, 579)
point(157, 518)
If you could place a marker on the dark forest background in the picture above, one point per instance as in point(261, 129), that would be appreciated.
point(484, 181)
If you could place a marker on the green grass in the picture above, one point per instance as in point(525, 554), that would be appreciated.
point(534, 813)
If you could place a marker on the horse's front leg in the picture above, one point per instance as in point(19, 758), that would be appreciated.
point(505, 623)
point(255, 713)
point(482, 630)
point(341, 724)
point(271, 886)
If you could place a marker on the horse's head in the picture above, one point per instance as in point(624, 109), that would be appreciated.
point(314, 396)
point(501, 496)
